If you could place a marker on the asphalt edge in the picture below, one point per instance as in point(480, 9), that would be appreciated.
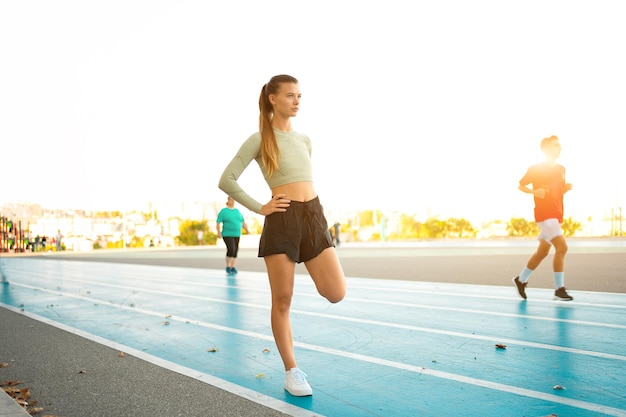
point(262, 399)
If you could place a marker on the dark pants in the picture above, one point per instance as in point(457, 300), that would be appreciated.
point(232, 246)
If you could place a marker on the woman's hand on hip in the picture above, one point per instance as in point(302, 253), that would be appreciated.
point(278, 203)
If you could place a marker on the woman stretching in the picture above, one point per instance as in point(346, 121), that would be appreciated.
point(295, 228)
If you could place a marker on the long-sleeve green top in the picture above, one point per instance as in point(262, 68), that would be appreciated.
point(294, 165)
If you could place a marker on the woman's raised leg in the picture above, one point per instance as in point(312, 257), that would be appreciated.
point(327, 274)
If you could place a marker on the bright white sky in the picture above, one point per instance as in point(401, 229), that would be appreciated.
point(426, 107)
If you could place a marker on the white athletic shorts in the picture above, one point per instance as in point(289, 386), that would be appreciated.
point(549, 229)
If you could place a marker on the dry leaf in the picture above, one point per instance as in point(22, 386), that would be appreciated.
point(82, 371)
point(4, 365)
point(213, 349)
point(35, 410)
point(11, 391)
point(259, 376)
point(266, 350)
point(500, 346)
point(121, 354)
point(25, 393)
point(166, 323)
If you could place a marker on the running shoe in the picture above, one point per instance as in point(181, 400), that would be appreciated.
point(296, 384)
point(521, 287)
point(562, 295)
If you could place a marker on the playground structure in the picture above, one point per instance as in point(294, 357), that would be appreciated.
point(12, 237)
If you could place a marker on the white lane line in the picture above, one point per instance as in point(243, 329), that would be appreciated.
point(469, 336)
point(489, 313)
point(494, 297)
point(304, 280)
point(373, 301)
point(335, 317)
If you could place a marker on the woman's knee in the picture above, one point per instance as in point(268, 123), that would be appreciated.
point(336, 297)
point(336, 292)
point(282, 302)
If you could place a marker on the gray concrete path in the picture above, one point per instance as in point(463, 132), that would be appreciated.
point(597, 264)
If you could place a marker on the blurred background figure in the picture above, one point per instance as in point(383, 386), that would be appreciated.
point(230, 222)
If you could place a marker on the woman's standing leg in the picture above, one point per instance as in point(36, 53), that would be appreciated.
point(281, 270)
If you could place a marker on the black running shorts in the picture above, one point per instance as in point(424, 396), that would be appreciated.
point(301, 232)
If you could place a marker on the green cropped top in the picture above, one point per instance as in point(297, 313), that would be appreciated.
point(294, 165)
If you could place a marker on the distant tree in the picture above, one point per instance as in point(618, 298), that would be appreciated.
point(570, 227)
point(255, 227)
point(115, 244)
point(108, 214)
point(519, 226)
point(189, 233)
point(409, 227)
point(460, 228)
point(435, 228)
point(369, 218)
point(149, 215)
point(136, 242)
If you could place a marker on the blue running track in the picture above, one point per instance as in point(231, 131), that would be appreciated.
point(391, 348)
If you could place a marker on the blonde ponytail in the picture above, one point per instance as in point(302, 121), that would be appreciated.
point(269, 147)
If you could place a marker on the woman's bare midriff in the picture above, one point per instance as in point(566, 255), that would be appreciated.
point(296, 191)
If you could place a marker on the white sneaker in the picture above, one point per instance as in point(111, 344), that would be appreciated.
point(295, 383)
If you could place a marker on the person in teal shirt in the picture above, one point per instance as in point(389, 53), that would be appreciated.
point(230, 221)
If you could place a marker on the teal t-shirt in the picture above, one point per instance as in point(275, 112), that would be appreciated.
point(232, 221)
